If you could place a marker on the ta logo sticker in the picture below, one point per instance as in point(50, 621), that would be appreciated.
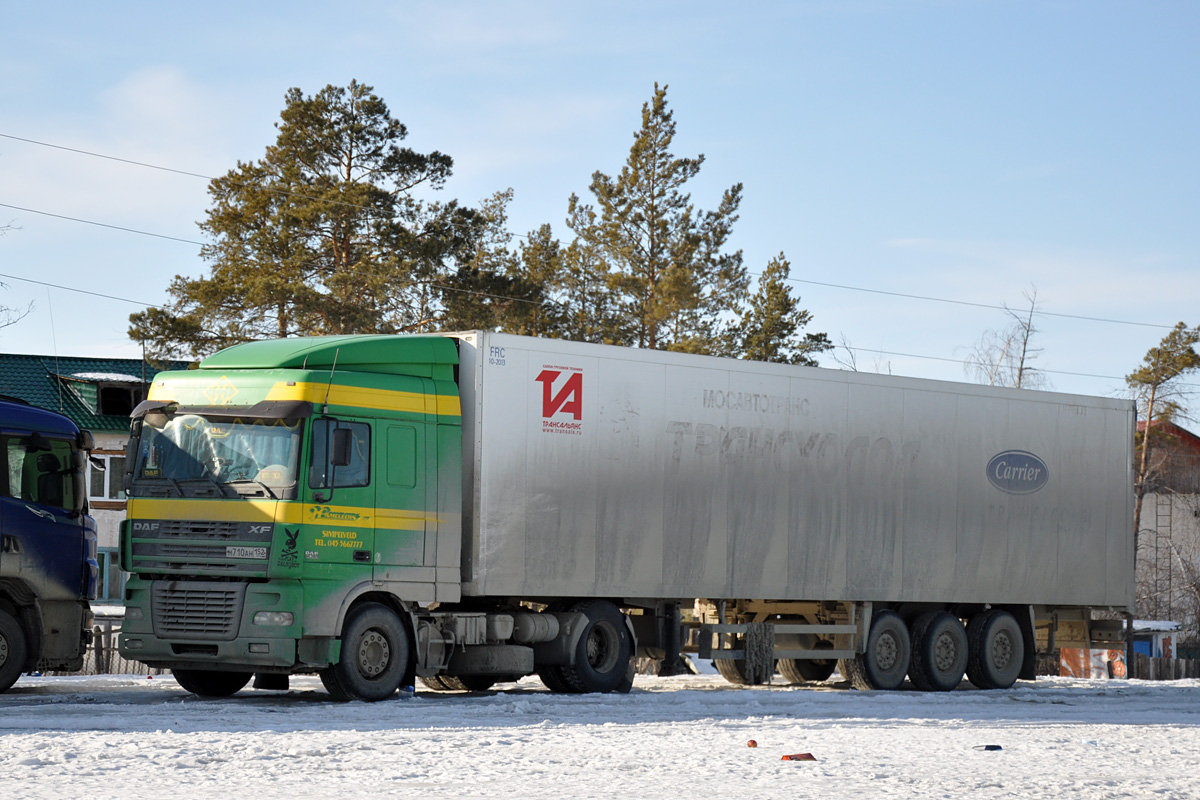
point(562, 399)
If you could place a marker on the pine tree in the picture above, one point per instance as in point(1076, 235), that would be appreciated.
point(666, 277)
point(1154, 384)
point(324, 234)
point(770, 328)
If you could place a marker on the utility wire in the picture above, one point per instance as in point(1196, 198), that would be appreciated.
point(965, 361)
point(101, 224)
point(927, 298)
point(272, 189)
point(101, 155)
point(80, 291)
point(485, 294)
point(1037, 312)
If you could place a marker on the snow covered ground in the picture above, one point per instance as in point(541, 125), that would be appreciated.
point(129, 736)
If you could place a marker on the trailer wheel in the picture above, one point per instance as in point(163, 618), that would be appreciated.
point(884, 663)
point(12, 650)
point(808, 670)
point(939, 652)
point(604, 650)
point(734, 670)
point(552, 676)
point(475, 683)
point(437, 683)
point(210, 683)
point(375, 655)
point(996, 649)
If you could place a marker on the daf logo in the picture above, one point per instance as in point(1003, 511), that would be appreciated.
point(1017, 472)
point(145, 526)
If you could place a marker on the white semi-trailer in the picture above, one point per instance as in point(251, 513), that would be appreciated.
point(575, 497)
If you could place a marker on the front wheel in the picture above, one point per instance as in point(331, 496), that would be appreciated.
point(13, 650)
point(375, 655)
point(210, 683)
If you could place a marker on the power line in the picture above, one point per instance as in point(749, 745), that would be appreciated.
point(964, 361)
point(272, 189)
point(977, 305)
point(927, 298)
point(80, 291)
point(101, 224)
point(101, 155)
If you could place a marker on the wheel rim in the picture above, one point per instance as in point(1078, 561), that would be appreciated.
point(374, 652)
point(886, 651)
point(3, 650)
point(602, 648)
point(945, 652)
point(1002, 650)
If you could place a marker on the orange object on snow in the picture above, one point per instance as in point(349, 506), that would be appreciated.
point(800, 757)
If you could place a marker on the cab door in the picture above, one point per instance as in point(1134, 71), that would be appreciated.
point(41, 529)
point(341, 492)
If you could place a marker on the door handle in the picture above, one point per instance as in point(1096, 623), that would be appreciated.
point(39, 512)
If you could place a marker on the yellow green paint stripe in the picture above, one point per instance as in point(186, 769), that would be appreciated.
point(287, 513)
point(362, 397)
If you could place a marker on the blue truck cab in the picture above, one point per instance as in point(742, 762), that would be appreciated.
point(48, 569)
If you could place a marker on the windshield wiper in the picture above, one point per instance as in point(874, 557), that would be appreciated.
point(266, 488)
point(210, 479)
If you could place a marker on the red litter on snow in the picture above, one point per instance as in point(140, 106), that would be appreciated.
point(799, 757)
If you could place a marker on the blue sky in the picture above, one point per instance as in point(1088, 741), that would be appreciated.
point(956, 150)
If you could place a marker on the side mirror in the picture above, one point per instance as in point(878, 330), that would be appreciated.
point(40, 444)
point(343, 441)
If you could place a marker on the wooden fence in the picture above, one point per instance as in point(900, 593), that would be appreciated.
point(1164, 669)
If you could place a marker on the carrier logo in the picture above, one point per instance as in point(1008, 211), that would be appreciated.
point(562, 399)
point(1017, 472)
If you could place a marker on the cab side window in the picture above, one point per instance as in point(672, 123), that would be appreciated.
point(43, 475)
point(341, 454)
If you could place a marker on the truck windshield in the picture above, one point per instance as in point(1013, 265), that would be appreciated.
point(251, 456)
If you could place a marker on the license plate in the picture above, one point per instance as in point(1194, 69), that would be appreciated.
point(245, 552)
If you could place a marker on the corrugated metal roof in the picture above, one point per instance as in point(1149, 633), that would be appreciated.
point(69, 384)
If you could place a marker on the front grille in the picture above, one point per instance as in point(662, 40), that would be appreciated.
point(197, 529)
point(191, 547)
point(197, 609)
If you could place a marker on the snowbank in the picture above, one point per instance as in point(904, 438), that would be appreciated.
point(123, 736)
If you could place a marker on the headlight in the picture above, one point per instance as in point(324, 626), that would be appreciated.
point(276, 618)
point(133, 613)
